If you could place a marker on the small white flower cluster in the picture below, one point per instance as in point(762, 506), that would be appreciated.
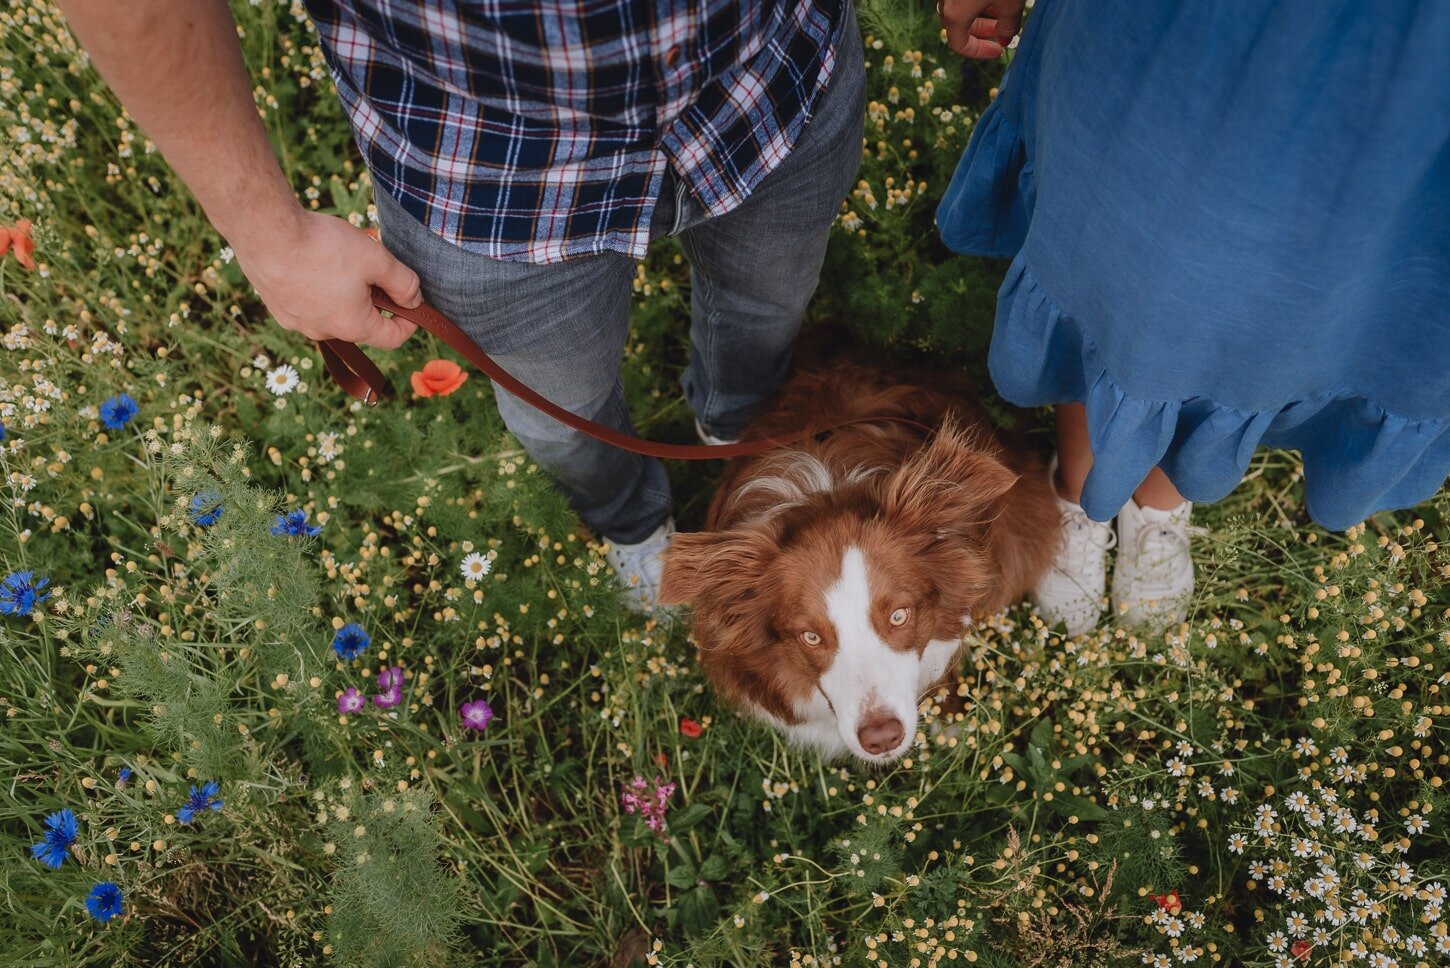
point(1343, 879)
point(1174, 921)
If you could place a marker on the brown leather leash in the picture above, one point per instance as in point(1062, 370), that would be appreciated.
point(361, 378)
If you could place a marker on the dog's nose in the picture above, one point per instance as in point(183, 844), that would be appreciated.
point(879, 736)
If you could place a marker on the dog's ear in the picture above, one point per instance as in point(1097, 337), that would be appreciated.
point(950, 488)
point(704, 561)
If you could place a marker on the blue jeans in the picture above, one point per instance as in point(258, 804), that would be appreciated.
point(561, 327)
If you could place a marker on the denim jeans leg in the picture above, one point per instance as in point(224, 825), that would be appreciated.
point(561, 329)
point(753, 270)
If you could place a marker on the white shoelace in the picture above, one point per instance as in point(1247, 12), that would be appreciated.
point(1158, 548)
point(1081, 534)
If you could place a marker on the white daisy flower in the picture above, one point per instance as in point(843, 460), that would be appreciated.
point(327, 447)
point(283, 380)
point(475, 566)
point(261, 362)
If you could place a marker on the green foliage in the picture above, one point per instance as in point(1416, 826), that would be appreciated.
point(1055, 790)
point(394, 905)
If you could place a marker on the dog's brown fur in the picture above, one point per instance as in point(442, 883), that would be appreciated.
point(960, 523)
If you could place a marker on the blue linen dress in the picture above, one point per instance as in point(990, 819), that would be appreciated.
point(1229, 225)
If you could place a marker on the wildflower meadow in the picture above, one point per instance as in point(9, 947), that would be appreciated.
point(287, 680)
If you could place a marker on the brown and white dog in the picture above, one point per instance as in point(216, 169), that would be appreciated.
point(834, 580)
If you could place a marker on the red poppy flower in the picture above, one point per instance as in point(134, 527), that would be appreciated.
point(1300, 949)
point(17, 239)
point(662, 761)
point(1169, 902)
point(438, 378)
point(690, 728)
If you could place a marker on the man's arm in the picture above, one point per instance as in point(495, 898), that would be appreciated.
point(177, 67)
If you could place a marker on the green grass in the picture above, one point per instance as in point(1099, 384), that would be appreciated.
point(1045, 807)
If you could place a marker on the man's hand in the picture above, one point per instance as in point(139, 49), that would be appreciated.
point(316, 274)
point(980, 28)
point(177, 66)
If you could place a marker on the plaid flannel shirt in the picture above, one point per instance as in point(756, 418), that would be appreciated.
point(539, 130)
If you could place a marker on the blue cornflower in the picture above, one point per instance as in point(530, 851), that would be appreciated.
point(200, 801)
point(118, 411)
point(60, 833)
point(20, 592)
point(104, 901)
point(123, 777)
point(206, 508)
point(3, 432)
point(294, 525)
point(350, 640)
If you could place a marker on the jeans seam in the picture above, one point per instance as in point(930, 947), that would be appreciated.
point(710, 357)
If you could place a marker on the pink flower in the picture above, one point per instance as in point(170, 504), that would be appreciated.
point(391, 682)
point(649, 799)
point(476, 715)
point(351, 701)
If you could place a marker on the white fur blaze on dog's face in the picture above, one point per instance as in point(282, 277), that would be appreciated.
point(870, 689)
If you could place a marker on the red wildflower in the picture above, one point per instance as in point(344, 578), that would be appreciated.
point(1300, 949)
point(662, 761)
point(690, 728)
point(438, 378)
point(17, 238)
point(1169, 902)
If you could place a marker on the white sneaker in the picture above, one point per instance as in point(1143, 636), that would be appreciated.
point(1071, 591)
point(1153, 577)
point(639, 567)
point(709, 438)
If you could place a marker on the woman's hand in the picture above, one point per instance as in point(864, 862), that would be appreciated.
point(980, 28)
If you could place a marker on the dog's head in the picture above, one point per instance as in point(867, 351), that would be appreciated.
point(830, 615)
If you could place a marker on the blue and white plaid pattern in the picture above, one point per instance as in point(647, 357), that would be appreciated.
point(539, 130)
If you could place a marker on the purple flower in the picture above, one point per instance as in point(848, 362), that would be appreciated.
point(649, 799)
point(351, 701)
point(476, 715)
point(391, 682)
